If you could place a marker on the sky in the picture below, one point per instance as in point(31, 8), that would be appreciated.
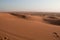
point(30, 5)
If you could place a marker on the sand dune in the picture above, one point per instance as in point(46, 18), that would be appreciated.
point(32, 28)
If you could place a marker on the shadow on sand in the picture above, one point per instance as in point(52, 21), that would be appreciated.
point(52, 20)
point(19, 15)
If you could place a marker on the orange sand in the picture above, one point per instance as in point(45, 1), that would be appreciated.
point(26, 29)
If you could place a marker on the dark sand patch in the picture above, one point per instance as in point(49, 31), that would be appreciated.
point(52, 20)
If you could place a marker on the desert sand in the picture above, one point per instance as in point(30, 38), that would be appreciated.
point(31, 28)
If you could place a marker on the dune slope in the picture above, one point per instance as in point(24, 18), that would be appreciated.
point(20, 29)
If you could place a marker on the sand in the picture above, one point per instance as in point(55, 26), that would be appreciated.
point(32, 28)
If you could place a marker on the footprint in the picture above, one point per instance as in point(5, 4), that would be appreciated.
point(56, 36)
point(4, 38)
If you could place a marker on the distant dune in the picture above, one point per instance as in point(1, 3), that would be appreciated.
point(52, 20)
point(29, 27)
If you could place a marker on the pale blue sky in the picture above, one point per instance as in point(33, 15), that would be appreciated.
point(30, 5)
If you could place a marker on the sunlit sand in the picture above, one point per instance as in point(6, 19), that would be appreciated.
point(27, 27)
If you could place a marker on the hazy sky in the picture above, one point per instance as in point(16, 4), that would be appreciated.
point(30, 5)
